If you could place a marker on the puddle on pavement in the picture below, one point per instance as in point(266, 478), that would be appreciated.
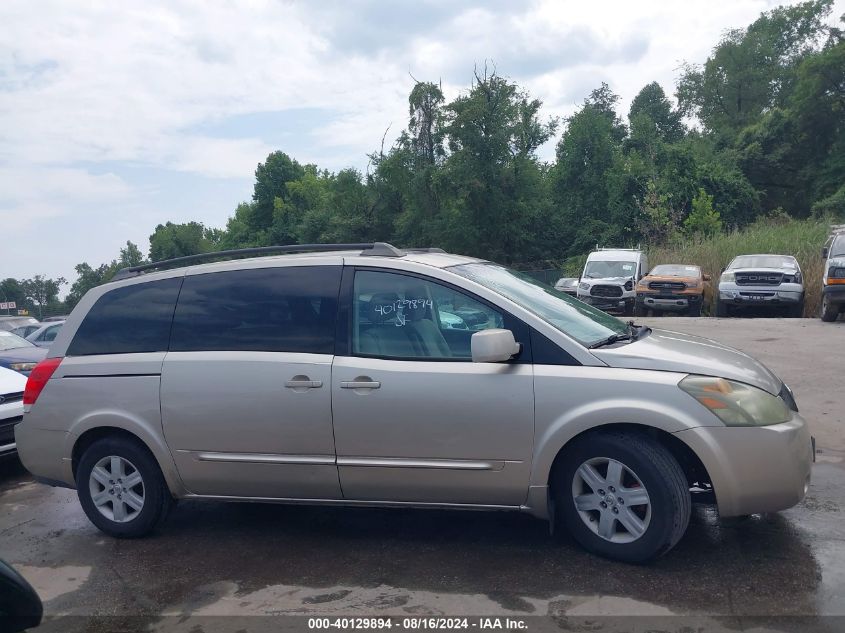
point(52, 582)
point(224, 598)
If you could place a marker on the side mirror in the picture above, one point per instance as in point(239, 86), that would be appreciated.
point(20, 606)
point(493, 346)
point(706, 277)
point(825, 252)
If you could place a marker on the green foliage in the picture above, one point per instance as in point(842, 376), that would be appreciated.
point(704, 220)
point(832, 207)
point(464, 174)
point(89, 277)
point(11, 290)
point(42, 293)
point(752, 70)
point(178, 240)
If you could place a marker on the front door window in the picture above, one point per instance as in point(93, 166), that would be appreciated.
point(398, 316)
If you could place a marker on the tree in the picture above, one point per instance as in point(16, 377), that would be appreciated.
point(11, 290)
point(42, 291)
point(271, 178)
point(704, 219)
point(178, 240)
point(493, 135)
point(752, 70)
point(87, 278)
point(652, 103)
point(586, 179)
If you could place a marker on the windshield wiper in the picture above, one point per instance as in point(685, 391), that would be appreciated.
point(634, 332)
point(613, 338)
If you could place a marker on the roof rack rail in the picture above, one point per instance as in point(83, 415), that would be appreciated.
point(382, 249)
point(612, 248)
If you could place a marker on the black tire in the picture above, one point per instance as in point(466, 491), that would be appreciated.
point(829, 311)
point(640, 310)
point(629, 308)
point(695, 309)
point(721, 309)
point(157, 500)
point(660, 474)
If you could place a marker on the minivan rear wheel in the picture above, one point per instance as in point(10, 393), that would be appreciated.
point(622, 495)
point(121, 488)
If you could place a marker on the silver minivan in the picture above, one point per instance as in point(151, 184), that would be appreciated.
point(332, 377)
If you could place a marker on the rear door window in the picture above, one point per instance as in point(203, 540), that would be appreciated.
point(130, 319)
point(282, 309)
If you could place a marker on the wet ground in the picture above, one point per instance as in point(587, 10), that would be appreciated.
point(215, 559)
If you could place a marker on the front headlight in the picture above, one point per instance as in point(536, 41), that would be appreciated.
point(735, 403)
point(584, 285)
point(22, 366)
point(728, 277)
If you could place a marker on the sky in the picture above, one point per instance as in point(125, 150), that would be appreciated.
point(115, 117)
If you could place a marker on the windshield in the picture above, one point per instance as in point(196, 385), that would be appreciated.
point(582, 322)
point(605, 270)
point(837, 249)
point(763, 261)
point(675, 270)
point(12, 341)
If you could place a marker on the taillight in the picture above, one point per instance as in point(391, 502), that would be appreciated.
point(38, 379)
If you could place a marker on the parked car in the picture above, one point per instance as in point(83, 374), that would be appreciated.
point(19, 354)
point(761, 281)
point(25, 330)
point(833, 278)
point(609, 277)
point(681, 288)
point(11, 408)
point(569, 285)
point(46, 334)
point(167, 384)
point(9, 323)
point(20, 606)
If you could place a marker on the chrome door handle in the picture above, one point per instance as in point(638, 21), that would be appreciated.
point(360, 384)
point(303, 384)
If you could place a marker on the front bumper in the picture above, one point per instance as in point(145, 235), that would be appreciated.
point(784, 294)
point(668, 302)
point(835, 293)
point(755, 469)
point(608, 303)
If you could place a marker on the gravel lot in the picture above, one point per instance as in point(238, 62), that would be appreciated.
point(214, 559)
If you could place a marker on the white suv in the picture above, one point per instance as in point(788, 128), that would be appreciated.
point(609, 278)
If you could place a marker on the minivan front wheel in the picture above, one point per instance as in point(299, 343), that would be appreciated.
point(121, 488)
point(622, 495)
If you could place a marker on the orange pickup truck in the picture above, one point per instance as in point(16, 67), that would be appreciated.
point(681, 288)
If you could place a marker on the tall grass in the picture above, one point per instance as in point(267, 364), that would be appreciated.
point(778, 235)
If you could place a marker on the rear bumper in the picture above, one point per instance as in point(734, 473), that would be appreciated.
point(755, 469)
point(42, 452)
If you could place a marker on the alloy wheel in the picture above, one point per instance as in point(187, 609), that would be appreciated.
point(611, 500)
point(117, 488)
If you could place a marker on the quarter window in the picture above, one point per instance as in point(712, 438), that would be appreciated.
point(130, 319)
point(398, 316)
point(280, 309)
